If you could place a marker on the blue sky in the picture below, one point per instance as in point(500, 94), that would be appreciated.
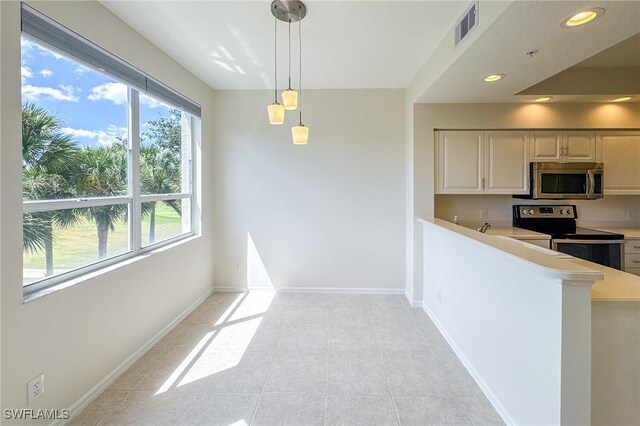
point(91, 105)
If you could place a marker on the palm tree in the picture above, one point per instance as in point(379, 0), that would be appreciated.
point(159, 174)
point(48, 159)
point(102, 172)
point(160, 156)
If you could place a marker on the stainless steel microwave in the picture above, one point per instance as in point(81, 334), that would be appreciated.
point(566, 181)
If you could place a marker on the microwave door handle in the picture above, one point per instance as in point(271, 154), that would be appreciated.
point(591, 184)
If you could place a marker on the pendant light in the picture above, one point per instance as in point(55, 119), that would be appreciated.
point(275, 110)
point(300, 133)
point(290, 96)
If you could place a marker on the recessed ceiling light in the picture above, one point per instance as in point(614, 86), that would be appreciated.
point(493, 77)
point(622, 99)
point(582, 17)
point(544, 99)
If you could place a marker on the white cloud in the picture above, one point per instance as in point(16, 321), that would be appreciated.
point(114, 92)
point(46, 73)
point(117, 93)
point(104, 138)
point(81, 69)
point(25, 73)
point(63, 93)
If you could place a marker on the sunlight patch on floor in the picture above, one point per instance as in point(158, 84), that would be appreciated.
point(185, 363)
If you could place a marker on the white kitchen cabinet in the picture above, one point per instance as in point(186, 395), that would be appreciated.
point(620, 153)
point(563, 146)
point(579, 146)
point(632, 255)
point(477, 162)
point(546, 145)
point(460, 157)
point(506, 164)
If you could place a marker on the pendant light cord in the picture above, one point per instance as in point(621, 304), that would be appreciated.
point(289, 53)
point(275, 56)
point(300, 56)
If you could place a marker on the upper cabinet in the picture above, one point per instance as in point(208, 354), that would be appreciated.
point(563, 147)
point(497, 161)
point(546, 145)
point(477, 162)
point(620, 153)
point(506, 165)
point(460, 156)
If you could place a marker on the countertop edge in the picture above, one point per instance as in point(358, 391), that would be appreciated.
point(541, 263)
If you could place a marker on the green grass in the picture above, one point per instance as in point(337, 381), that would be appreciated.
point(77, 245)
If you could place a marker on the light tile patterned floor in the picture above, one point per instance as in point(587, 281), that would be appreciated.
point(265, 358)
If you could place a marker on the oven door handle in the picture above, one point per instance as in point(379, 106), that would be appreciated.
point(567, 241)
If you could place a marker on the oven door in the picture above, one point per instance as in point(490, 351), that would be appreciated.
point(605, 252)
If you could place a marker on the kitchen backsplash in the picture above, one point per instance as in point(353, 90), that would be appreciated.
point(621, 211)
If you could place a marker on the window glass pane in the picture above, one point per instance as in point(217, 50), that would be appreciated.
point(62, 240)
point(162, 220)
point(165, 142)
point(74, 128)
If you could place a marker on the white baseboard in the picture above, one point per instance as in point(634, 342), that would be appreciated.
point(77, 407)
point(502, 411)
point(412, 302)
point(339, 290)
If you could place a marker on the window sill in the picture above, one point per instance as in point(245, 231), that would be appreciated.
point(106, 269)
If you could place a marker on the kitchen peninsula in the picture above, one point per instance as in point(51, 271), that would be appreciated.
point(525, 321)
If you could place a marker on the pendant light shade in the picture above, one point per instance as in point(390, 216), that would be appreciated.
point(290, 99)
point(276, 114)
point(300, 134)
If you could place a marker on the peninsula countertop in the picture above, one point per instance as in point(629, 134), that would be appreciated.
point(517, 233)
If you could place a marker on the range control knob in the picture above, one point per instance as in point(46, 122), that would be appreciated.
point(530, 211)
point(561, 211)
point(524, 211)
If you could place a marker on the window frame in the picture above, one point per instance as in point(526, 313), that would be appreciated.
point(133, 199)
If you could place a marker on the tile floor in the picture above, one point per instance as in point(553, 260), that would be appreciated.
point(265, 358)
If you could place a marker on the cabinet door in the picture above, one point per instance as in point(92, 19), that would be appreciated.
point(546, 145)
point(621, 158)
point(579, 146)
point(506, 162)
point(460, 156)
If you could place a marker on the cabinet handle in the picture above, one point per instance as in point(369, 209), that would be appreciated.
point(482, 183)
point(636, 261)
point(636, 246)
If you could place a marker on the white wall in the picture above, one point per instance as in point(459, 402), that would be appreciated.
point(80, 334)
point(615, 386)
point(326, 215)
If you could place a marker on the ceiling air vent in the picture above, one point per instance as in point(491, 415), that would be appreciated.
point(467, 23)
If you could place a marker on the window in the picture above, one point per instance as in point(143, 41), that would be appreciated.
point(107, 157)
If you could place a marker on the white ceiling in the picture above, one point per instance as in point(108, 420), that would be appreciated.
point(624, 54)
point(346, 44)
point(522, 27)
point(384, 44)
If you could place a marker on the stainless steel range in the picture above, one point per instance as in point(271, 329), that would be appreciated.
point(605, 248)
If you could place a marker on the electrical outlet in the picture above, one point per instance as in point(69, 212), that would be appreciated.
point(236, 266)
point(630, 215)
point(35, 388)
point(484, 214)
